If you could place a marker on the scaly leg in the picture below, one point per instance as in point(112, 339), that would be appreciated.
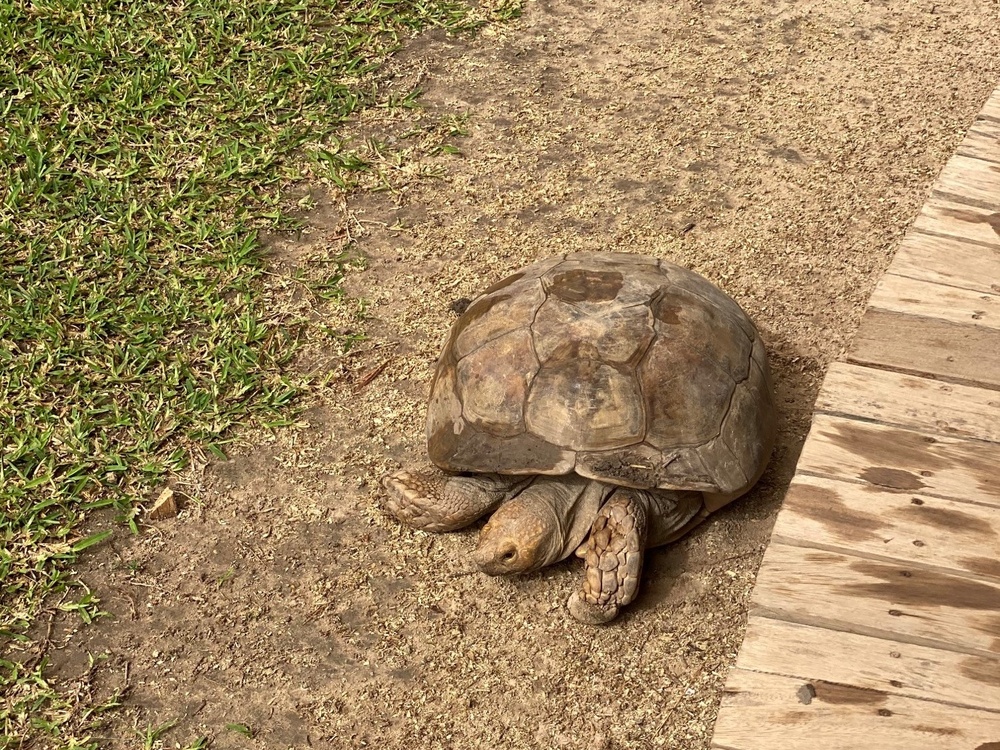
point(613, 557)
point(435, 501)
point(672, 514)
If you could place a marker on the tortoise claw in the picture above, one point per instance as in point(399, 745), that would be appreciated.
point(588, 613)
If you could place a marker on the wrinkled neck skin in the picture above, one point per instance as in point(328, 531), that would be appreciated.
point(566, 506)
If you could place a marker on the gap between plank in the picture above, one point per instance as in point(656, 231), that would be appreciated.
point(994, 246)
point(844, 627)
point(980, 157)
point(890, 272)
point(861, 554)
point(898, 694)
point(919, 430)
point(895, 490)
point(963, 200)
point(850, 359)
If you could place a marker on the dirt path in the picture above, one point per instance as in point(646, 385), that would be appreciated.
point(778, 148)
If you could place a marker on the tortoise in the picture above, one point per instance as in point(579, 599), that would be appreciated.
point(605, 403)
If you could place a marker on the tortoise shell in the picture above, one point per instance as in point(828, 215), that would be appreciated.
point(622, 368)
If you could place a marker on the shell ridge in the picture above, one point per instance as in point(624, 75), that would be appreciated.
point(651, 305)
point(736, 458)
point(534, 352)
point(732, 395)
point(453, 340)
point(531, 327)
point(490, 340)
point(718, 436)
point(740, 319)
point(638, 384)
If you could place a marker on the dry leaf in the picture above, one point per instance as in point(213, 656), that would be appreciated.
point(166, 506)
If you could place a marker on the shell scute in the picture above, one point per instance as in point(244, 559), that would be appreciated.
point(620, 335)
point(711, 298)
point(584, 285)
point(599, 285)
point(751, 415)
point(496, 314)
point(444, 409)
point(582, 402)
point(632, 466)
point(472, 449)
point(494, 397)
point(691, 370)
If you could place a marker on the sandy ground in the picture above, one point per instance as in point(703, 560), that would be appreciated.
point(779, 148)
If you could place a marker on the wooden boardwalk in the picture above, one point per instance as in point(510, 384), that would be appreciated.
point(875, 622)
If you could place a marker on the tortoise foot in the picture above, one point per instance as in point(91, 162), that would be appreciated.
point(588, 613)
point(613, 558)
point(412, 498)
point(434, 501)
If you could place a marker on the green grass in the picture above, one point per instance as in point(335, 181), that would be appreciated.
point(143, 147)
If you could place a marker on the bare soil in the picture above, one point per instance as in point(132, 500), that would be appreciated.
point(779, 148)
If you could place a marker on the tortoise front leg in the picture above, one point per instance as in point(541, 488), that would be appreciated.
point(629, 522)
point(613, 558)
point(435, 501)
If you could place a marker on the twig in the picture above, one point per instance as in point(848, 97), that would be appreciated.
point(369, 376)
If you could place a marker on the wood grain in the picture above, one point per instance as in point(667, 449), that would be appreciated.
point(969, 353)
point(878, 598)
point(982, 141)
point(874, 664)
point(911, 401)
point(976, 181)
point(770, 712)
point(965, 223)
point(918, 297)
point(946, 260)
point(992, 106)
point(912, 529)
point(903, 460)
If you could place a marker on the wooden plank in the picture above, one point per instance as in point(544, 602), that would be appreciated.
point(969, 353)
point(863, 519)
point(878, 598)
point(992, 107)
point(915, 297)
point(969, 180)
point(911, 401)
point(945, 260)
point(982, 141)
point(969, 223)
point(874, 664)
point(904, 460)
point(769, 712)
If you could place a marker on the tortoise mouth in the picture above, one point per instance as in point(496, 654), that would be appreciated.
point(502, 558)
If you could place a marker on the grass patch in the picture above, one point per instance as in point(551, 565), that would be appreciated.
point(143, 146)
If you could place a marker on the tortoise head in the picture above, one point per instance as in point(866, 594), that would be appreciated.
point(520, 537)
